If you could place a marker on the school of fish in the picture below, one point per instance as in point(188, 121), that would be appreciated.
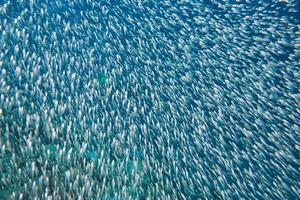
point(149, 99)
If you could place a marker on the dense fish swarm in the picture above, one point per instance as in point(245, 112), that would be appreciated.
point(148, 99)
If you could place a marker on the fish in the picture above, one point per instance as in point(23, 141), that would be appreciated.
point(149, 99)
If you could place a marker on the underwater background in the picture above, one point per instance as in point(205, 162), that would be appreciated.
point(149, 99)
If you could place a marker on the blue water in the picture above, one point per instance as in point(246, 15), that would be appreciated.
point(228, 131)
